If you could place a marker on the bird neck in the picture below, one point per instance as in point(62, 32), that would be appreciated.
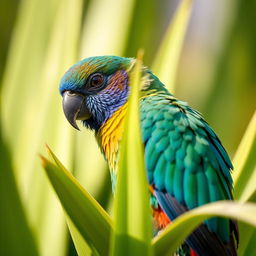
point(109, 136)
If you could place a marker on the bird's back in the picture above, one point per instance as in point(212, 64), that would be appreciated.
point(187, 167)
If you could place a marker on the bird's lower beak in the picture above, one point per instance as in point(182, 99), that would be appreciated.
point(74, 108)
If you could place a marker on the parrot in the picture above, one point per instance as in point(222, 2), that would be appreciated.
point(186, 163)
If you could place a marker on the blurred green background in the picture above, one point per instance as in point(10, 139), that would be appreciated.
point(39, 40)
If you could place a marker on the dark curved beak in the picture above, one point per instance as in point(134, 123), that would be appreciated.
point(74, 107)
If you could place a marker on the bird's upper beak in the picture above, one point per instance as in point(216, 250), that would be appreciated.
point(74, 107)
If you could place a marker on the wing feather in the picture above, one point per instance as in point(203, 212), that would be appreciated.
point(188, 166)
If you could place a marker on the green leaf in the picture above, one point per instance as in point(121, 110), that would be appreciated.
point(166, 62)
point(246, 236)
point(89, 217)
point(82, 247)
point(169, 240)
point(143, 29)
point(132, 221)
point(38, 59)
point(250, 247)
point(244, 182)
point(104, 26)
point(16, 237)
point(245, 164)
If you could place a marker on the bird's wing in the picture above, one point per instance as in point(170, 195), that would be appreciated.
point(188, 167)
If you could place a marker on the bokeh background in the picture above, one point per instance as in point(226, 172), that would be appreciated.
point(39, 40)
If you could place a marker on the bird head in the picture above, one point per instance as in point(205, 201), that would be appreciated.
point(94, 88)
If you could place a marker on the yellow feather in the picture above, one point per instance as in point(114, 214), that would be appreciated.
point(110, 135)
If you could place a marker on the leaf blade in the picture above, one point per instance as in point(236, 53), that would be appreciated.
point(82, 247)
point(245, 164)
point(132, 230)
point(15, 228)
point(167, 58)
point(80, 206)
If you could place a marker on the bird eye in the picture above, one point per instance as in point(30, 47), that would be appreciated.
point(70, 93)
point(96, 80)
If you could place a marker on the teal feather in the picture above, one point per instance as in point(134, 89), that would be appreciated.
point(223, 152)
point(188, 167)
point(220, 161)
point(168, 116)
point(223, 229)
point(181, 152)
point(201, 132)
point(192, 155)
point(147, 122)
point(147, 133)
point(157, 134)
point(190, 189)
point(159, 116)
point(214, 194)
point(202, 188)
point(176, 144)
point(212, 157)
point(151, 156)
point(188, 135)
point(169, 153)
point(190, 164)
point(223, 225)
point(200, 145)
point(180, 127)
point(159, 172)
point(169, 177)
point(225, 188)
point(162, 144)
point(164, 125)
point(152, 113)
point(178, 184)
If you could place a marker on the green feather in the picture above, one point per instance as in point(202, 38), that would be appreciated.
point(222, 151)
point(178, 184)
point(188, 135)
point(168, 116)
point(147, 133)
point(214, 194)
point(201, 132)
point(182, 159)
point(162, 144)
point(200, 145)
point(157, 134)
point(169, 177)
point(223, 229)
point(159, 173)
point(181, 152)
point(175, 139)
point(192, 159)
point(159, 116)
point(164, 125)
point(202, 188)
point(169, 154)
point(222, 164)
point(152, 113)
point(146, 123)
point(190, 189)
point(151, 155)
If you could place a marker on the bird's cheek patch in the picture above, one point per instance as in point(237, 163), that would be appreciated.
point(118, 81)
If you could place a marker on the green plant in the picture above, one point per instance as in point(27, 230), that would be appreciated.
point(45, 42)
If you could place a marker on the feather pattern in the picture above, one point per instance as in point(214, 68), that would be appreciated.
point(198, 169)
